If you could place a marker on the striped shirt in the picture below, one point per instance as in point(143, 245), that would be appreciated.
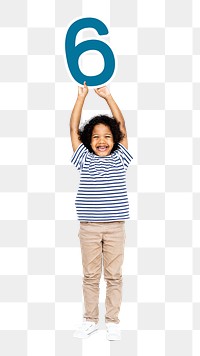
point(102, 193)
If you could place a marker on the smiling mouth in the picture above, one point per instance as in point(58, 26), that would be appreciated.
point(102, 148)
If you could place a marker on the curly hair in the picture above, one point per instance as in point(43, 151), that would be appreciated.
point(85, 132)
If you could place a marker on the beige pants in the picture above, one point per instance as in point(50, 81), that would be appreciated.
point(102, 242)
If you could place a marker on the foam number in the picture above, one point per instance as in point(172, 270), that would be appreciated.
point(73, 52)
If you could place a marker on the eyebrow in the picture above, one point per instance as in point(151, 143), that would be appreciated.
point(105, 134)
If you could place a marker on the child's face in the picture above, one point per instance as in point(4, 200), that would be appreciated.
point(102, 140)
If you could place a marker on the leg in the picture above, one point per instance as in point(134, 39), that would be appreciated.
point(113, 255)
point(91, 249)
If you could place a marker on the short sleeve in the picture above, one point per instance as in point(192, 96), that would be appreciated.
point(125, 155)
point(79, 156)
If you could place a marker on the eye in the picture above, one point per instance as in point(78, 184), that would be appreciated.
point(108, 136)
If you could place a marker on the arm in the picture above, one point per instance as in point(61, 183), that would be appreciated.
point(116, 112)
point(76, 116)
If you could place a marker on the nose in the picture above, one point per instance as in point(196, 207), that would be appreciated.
point(101, 139)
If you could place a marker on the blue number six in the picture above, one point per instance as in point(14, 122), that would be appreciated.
point(73, 52)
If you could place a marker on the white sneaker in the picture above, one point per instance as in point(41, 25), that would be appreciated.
point(113, 332)
point(86, 329)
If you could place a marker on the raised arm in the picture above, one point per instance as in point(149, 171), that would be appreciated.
point(116, 112)
point(76, 116)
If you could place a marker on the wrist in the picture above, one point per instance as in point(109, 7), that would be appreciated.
point(108, 97)
point(81, 98)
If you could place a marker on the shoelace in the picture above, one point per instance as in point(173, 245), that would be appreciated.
point(85, 326)
point(116, 327)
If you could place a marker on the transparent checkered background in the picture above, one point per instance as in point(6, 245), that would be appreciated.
point(157, 85)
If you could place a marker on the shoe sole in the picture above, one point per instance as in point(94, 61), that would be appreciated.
point(112, 339)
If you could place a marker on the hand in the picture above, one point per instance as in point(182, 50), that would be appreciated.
point(82, 92)
point(103, 92)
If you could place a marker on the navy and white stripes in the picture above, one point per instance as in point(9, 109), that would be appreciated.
point(102, 194)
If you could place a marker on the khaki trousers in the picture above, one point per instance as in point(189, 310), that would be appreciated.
point(102, 242)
